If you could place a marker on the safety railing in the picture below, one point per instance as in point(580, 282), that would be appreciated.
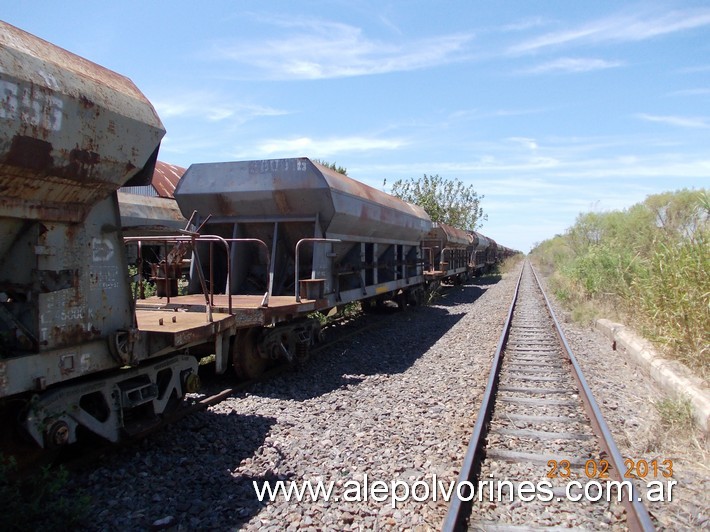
point(193, 239)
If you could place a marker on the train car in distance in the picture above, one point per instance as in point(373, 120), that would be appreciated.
point(447, 253)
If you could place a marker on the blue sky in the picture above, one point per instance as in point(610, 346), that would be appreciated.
point(548, 108)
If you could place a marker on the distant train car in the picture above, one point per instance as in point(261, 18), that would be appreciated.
point(491, 255)
point(447, 253)
point(478, 253)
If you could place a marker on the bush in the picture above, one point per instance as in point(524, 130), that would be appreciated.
point(649, 262)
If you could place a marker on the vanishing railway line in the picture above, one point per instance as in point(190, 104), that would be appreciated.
point(538, 422)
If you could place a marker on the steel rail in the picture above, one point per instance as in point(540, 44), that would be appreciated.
point(459, 509)
point(637, 517)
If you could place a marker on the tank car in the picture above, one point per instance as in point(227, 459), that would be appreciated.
point(72, 350)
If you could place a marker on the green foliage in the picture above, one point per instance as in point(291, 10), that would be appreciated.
point(39, 502)
point(332, 166)
point(649, 262)
point(447, 201)
point(140, 289)
point(675, 413)
point(317, 315)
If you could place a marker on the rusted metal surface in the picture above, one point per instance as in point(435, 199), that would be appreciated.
point(165, 179)
point(184, 328)
point(149, 215)
point(481, 242)
point(71, 131)
point(290, 189)
point(449, 237)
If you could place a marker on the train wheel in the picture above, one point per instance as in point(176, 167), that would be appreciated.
point(247, 362)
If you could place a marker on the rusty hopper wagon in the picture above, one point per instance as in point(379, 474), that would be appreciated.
point(72, 350)
point(447, 253)
point(289, 237)
point(479, 247)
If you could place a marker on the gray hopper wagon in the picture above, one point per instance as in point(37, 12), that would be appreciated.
point(288, 237)
point(72, 350)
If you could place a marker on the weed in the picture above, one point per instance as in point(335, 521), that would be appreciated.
point(676, 414)
point(649, 264)
point(40, 501)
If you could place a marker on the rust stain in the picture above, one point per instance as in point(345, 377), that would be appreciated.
point(86, 103)
point(165, 178)
point(31, 153)
point(281, 200)
point(73, 335)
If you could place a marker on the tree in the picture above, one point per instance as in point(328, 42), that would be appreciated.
point(332, 166)
point(444, 200)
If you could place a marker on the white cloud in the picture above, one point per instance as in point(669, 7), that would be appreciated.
point(637, 26)
point(526, 142)
point(573, 64)
point(301, 146)
point(322, 49)
point(524, 24)
point(211, 107)
point(680, 121)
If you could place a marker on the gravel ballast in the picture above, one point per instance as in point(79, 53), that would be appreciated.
point(396, 402)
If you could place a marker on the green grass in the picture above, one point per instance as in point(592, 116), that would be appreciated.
point(676, 414)
point(646, 266)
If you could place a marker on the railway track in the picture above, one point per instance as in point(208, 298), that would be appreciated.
point(539, 432)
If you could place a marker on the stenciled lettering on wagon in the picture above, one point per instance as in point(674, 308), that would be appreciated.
point(35, 108)
point(266, 166)
point(273, 165)
point(104, 277)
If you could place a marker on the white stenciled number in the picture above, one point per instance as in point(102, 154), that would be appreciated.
point(38, 110)
point(8, 100)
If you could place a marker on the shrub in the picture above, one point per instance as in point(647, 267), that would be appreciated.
point(650, 262)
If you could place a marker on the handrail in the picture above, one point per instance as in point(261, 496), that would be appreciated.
point(192, 238)
point(296, 269)
point(267, 296)
point(209, 297)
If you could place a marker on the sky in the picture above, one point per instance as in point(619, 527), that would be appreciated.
point(549, 109)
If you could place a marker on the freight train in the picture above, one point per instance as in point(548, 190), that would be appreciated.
point(262, 244)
